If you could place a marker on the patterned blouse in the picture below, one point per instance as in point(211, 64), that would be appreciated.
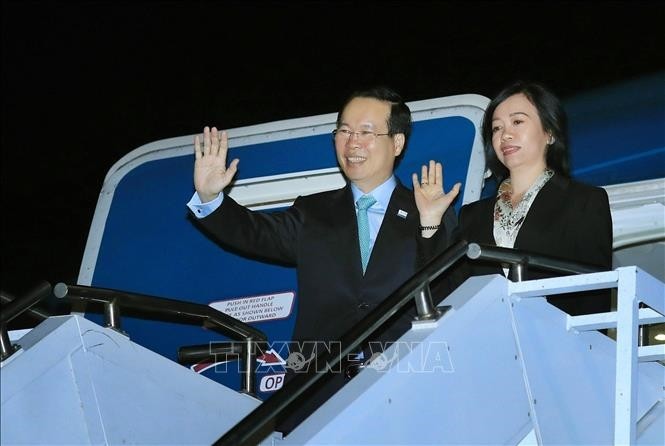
point(508, 221)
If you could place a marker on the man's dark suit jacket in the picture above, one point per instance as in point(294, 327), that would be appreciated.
point(568, 220)
point(319, 235)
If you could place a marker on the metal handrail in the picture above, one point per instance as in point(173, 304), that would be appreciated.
point(15, 308)
point(31, 311)
point(184, 311)
point(214, 352)
point(254, 427)
point(519, 261)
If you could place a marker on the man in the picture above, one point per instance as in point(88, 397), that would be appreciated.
point(346, 263)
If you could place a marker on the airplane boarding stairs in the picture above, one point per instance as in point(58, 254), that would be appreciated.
point(506, 367)
point(75, 382)
point(500, 366)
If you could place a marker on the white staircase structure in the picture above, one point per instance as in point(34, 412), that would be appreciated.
point(501, 366)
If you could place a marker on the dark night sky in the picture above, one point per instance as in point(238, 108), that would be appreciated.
point(84, 83)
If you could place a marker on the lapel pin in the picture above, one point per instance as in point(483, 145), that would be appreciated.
point(402, 213)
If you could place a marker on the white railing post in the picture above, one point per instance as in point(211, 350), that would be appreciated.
point(625, 399)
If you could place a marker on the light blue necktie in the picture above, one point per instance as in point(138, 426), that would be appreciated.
point(363, 204)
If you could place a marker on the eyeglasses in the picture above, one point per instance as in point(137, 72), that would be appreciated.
point(364, 136)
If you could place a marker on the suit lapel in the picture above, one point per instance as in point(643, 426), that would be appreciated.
point(344, 233)
point(394, 230)
point(540, 212)
point(482, 224)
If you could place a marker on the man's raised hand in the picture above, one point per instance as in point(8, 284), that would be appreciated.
point(211, 175)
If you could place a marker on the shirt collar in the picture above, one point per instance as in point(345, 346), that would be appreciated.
point(381, 193)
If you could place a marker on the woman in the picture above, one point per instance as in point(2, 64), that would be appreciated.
point(537, 208)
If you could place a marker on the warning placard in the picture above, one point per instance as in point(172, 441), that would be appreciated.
point(257, 308)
